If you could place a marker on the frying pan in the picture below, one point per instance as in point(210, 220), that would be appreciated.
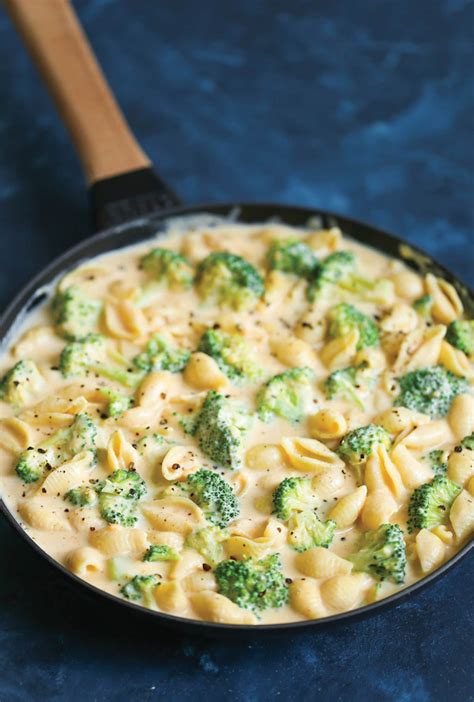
point(130, 203)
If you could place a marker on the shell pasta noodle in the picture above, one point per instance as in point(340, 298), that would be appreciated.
point(243, 423)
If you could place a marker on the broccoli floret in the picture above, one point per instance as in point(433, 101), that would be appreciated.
point(117, 403)
point(423, 306)
point(468, 442)
point(293, 495)
point(430, 503)
point(74, 314)
point(350, 384)
point(430, 390)
point(159, 355)
point(168, 267)
point(232, 353)
point(345, 318)
point(437, 460)
point(57, 449)
point(140, 587)
point(332, 270)
point(213, 495)
point(208, 542)
point(20, 384)
point(292, 256)
point(118, 496)
point(90, 355)
point(251, 584)
point(461, 335)
point(382, 554)
point(160, 552)
point(306, 530)
point(287, 395)
point(81, 496)
point(356, 446)
point(219, 428)
point(227, 279)
point(379, 290)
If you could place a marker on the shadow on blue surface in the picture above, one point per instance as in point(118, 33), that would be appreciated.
point(363, 108)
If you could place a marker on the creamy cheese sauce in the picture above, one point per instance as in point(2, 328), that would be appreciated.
point(280, 329)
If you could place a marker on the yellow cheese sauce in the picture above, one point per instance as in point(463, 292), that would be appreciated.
point(282, 330)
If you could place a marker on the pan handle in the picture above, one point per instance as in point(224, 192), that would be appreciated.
point(101, 135)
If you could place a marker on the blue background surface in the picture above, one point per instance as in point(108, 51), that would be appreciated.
point(362, 107)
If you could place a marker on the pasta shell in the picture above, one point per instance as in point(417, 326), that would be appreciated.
point(203, 372)
point(15, 435)
point(428, 436)
point(310, 455)
point(455, 361)
point(329, 483)
point(85, 561)
point(461, 515)
point(179, 462)
point(114, 540)
point(327, 424)
point(446, 303)
point(265, 456)
point(344, 592)
point(339, 352)
point(378, 508)
point(348, 508)
point(170, 597)
point(412, 472)
point(320, 563)
point(461, 466)
point(213, 607)
point(68, 475)
point(461, 416)
point(120, 453)
point(39, 515)
point(173, 514)
point(305, 598)
point(430, 550)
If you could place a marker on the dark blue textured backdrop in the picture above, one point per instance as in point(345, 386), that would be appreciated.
point(362, 107)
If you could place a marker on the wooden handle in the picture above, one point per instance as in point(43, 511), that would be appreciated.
point(102, 137)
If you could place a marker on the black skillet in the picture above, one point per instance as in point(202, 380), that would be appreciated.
point(130, 204)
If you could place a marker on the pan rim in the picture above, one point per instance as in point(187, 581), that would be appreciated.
point(18, 308)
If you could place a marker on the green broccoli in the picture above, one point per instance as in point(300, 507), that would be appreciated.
point(306, 530)
point(168, 267)
point(287, 395)
point(378, 290)
point(208, 542)
point(74, 314)
point(251, 584)
point(430, 503)
point(58, 448)
point(332, 270)
point(227, 279)
point(423, 305)
point(213, 495)
point(293, 495)
point(468, 442)
point(351, 384)
point(382, 554)
point(437, 460)
point(219, 429)
point(345, 318)
point(461, 335)
point(430, 390)
point(159, 355)
point(117, 403)
point(356, 446)
point(20, 384)
point(232, 353)
point(160, 552)
point(82, 496)
point(140, 587)
point(119, 495)
point(90, 355)
point(292, 256)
